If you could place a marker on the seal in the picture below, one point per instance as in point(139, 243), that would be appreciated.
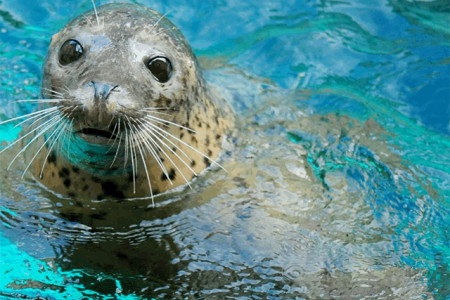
point(125, 111)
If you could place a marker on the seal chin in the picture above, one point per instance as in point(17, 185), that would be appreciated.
point(96, 136)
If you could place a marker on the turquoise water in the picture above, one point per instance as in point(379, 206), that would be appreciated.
point(338, 173)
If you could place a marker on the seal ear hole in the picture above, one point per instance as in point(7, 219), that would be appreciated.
point(70, 52)
point(161, 68)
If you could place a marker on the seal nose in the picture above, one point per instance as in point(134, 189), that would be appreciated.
point(102, 90)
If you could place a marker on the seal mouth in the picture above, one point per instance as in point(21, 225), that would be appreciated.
point(94, 135)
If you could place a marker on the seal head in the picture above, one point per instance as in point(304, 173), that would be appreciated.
point(129, 113)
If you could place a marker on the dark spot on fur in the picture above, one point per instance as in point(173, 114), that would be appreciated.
point(207, 140)
point(218, 137)
point(71, 194)
point(156, 192)
point(210, 153)
point(206, 161)
point(64, 172)
point(181, 135)
point(111, 189)
point(199, 124)
point(174, 149)
point(85, 188)
point(67, 182)
point(78, 203)
point(171, 174)
point(52, 158)
point(75, 169)
point(53, 174)
point(194, 140)
point(95, 179)
point(193, 163)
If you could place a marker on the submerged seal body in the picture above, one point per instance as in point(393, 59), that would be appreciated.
point(125, 111)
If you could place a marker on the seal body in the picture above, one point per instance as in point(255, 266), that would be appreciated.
point(127, 112)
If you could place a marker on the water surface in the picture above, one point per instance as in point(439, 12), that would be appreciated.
point(337, 182)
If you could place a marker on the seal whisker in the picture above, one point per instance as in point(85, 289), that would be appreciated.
point(66, 89)
point(113, 133)
point(48, 124)
point(126, 148)
point(55, 114)
point(118, 135)
point(133, 160)
point(147, 175)
point(159, 113)
point(50, 100)
point(129, 141)
point(39, 117)
point(58, 129)
point(52, 145)
point(63, 131)
point(117, 151)
point(159, 20)
point(66, 136)
point(30, 116)
point(52, 91)
point(163, 121)
point(147, 140)
point(156, 108)
point(110, 122)
point(133, 142)
point(95, 10)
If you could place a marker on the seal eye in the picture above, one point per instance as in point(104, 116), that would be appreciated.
point(70, 51)
point(161, 68)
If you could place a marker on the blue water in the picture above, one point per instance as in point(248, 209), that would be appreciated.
point(338, 179)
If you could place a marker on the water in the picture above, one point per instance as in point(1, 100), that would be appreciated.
point(338, 176)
